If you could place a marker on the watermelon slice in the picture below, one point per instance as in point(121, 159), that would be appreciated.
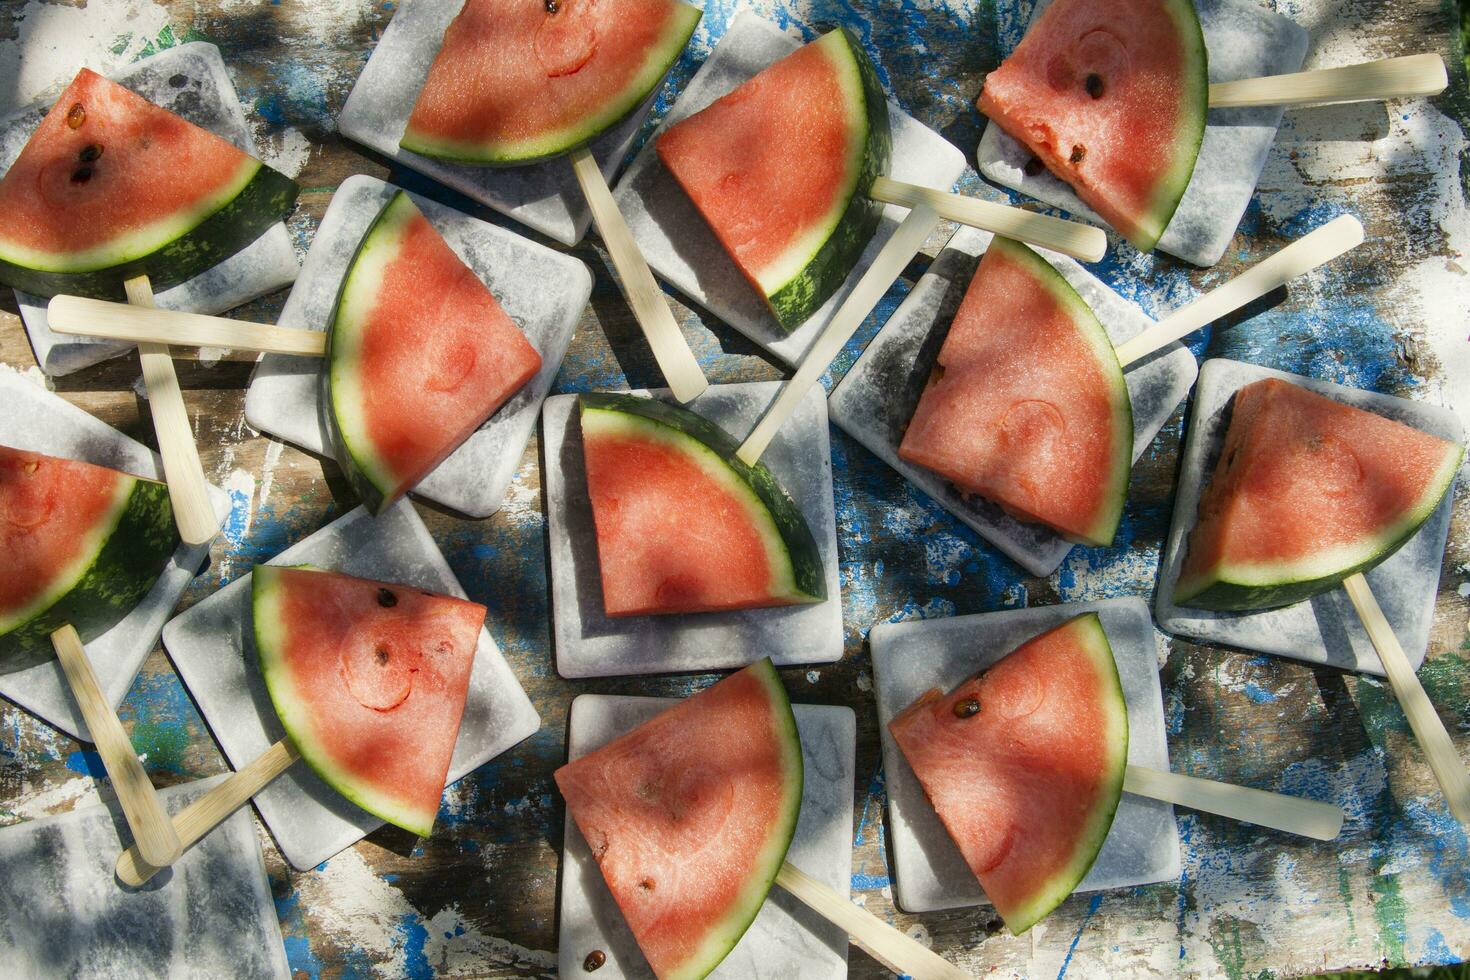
point(110, 187)
point(1307, 492)
point(521, 80)
point(1028, 406)
point(1112, 98)
point(690, 815)
point(684, 525)
point(82, 544)
point(1024, 764)
point(780, 166)
point(419, 355)
point(369, 679)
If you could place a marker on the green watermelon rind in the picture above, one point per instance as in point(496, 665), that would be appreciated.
point(194, 245)
point(127, 554)
point(1253, 587)
point(661, 58)
point(1191, 132)
point(791, 549)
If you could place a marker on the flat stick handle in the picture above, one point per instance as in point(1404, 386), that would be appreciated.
point(152, 832)
point(119, 321)
point(1425, 722)
point(1080, 241)
point(187, 490)
point(1393, 78)
point(884, 943)
point(681, 371)
point(211, 810)
point(892, 258)
point(1292, 814)
point(1301, 256)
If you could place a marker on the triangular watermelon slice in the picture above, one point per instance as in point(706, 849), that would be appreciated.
point(1308, 491)
point(111, 186)
point(1028, 406)
point(521, 80)
point(79, 544)
point(683, 524)
point(369, 680)
point(690, 816)
point(1112, 98)
point(1024, 763)
point(419, 355)
point(780, 166)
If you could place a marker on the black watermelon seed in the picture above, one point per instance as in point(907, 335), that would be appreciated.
point(386, 598)
point(1078, 152)
point(594, 960)
point(382, 656)
point(81, 175)
point(552, 6)
point(76, 116)
point(1094, 86)
point(90, 153)
point(968, 708)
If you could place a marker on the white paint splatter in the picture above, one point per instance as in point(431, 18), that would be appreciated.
point(287, 150)
point(268, 470)
point(55, 41)
point(60, 798)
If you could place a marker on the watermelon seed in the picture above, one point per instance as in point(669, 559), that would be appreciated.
point(387, 599)
point(76, 116)
point(82, 175)
point(1033, 167)
point(1094, 85)
point(968, 708)
point(382, 656)
point(646, 884)
point(594, 960)
point(1078, 152)
point(90, 152)
point(31, 467)
point(552, 6)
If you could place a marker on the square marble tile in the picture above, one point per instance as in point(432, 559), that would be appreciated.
point(213, 648)
point(910, 658)
point(876, 399)
point(786, 939)
point(1244, 40)
point(189, 80)
point(33, 418)
point(64, 914)
point(678, 243)
point(1324, 629)
point(589, 643)
point(542, 290)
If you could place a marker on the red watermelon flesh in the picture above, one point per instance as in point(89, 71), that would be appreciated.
point(1028, 406)
point(1112, 98)
point(1024, 764)
point(690, 815)
point(369, 679)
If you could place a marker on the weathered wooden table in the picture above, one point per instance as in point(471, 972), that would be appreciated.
point(479, 897)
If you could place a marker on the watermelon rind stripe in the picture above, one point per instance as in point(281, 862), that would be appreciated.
point(792, 551)
point(1189, 136)
point(1245, 586)
point(120, 560)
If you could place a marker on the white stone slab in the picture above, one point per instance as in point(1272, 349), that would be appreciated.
point(1245, 40)
point(1324, 629)
point(64, 914)
point(189, 80)
point(542, 290)
point(34, 419)
point(910, 658)
point(786, 939)
point(589, 643)
point(877, 397)
point(542, 196)
point(680, 246)
point(213, 649)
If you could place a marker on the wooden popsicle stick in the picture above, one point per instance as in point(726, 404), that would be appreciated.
point(120, 321)
point(1080, 241)
point(1424, 721)
point(211, 810)
point(187, 490)
point(1301, 256)
point(1393, 78)
point(153, 833)
point(1309, 818)
point(887, 266)
point(884, 943)
point(681, 371)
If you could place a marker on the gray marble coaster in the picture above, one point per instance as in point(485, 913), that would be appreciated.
point(542, 196)
point(213, 649)
point(1324, 629)
point(189, 80)
point(1245, 41)
point(34, 419)
point(64, 914)
point(876, 399)
point(910, 658)
point(786, 939)
point(591, 644)
point(542, 290)
point(679, 245)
